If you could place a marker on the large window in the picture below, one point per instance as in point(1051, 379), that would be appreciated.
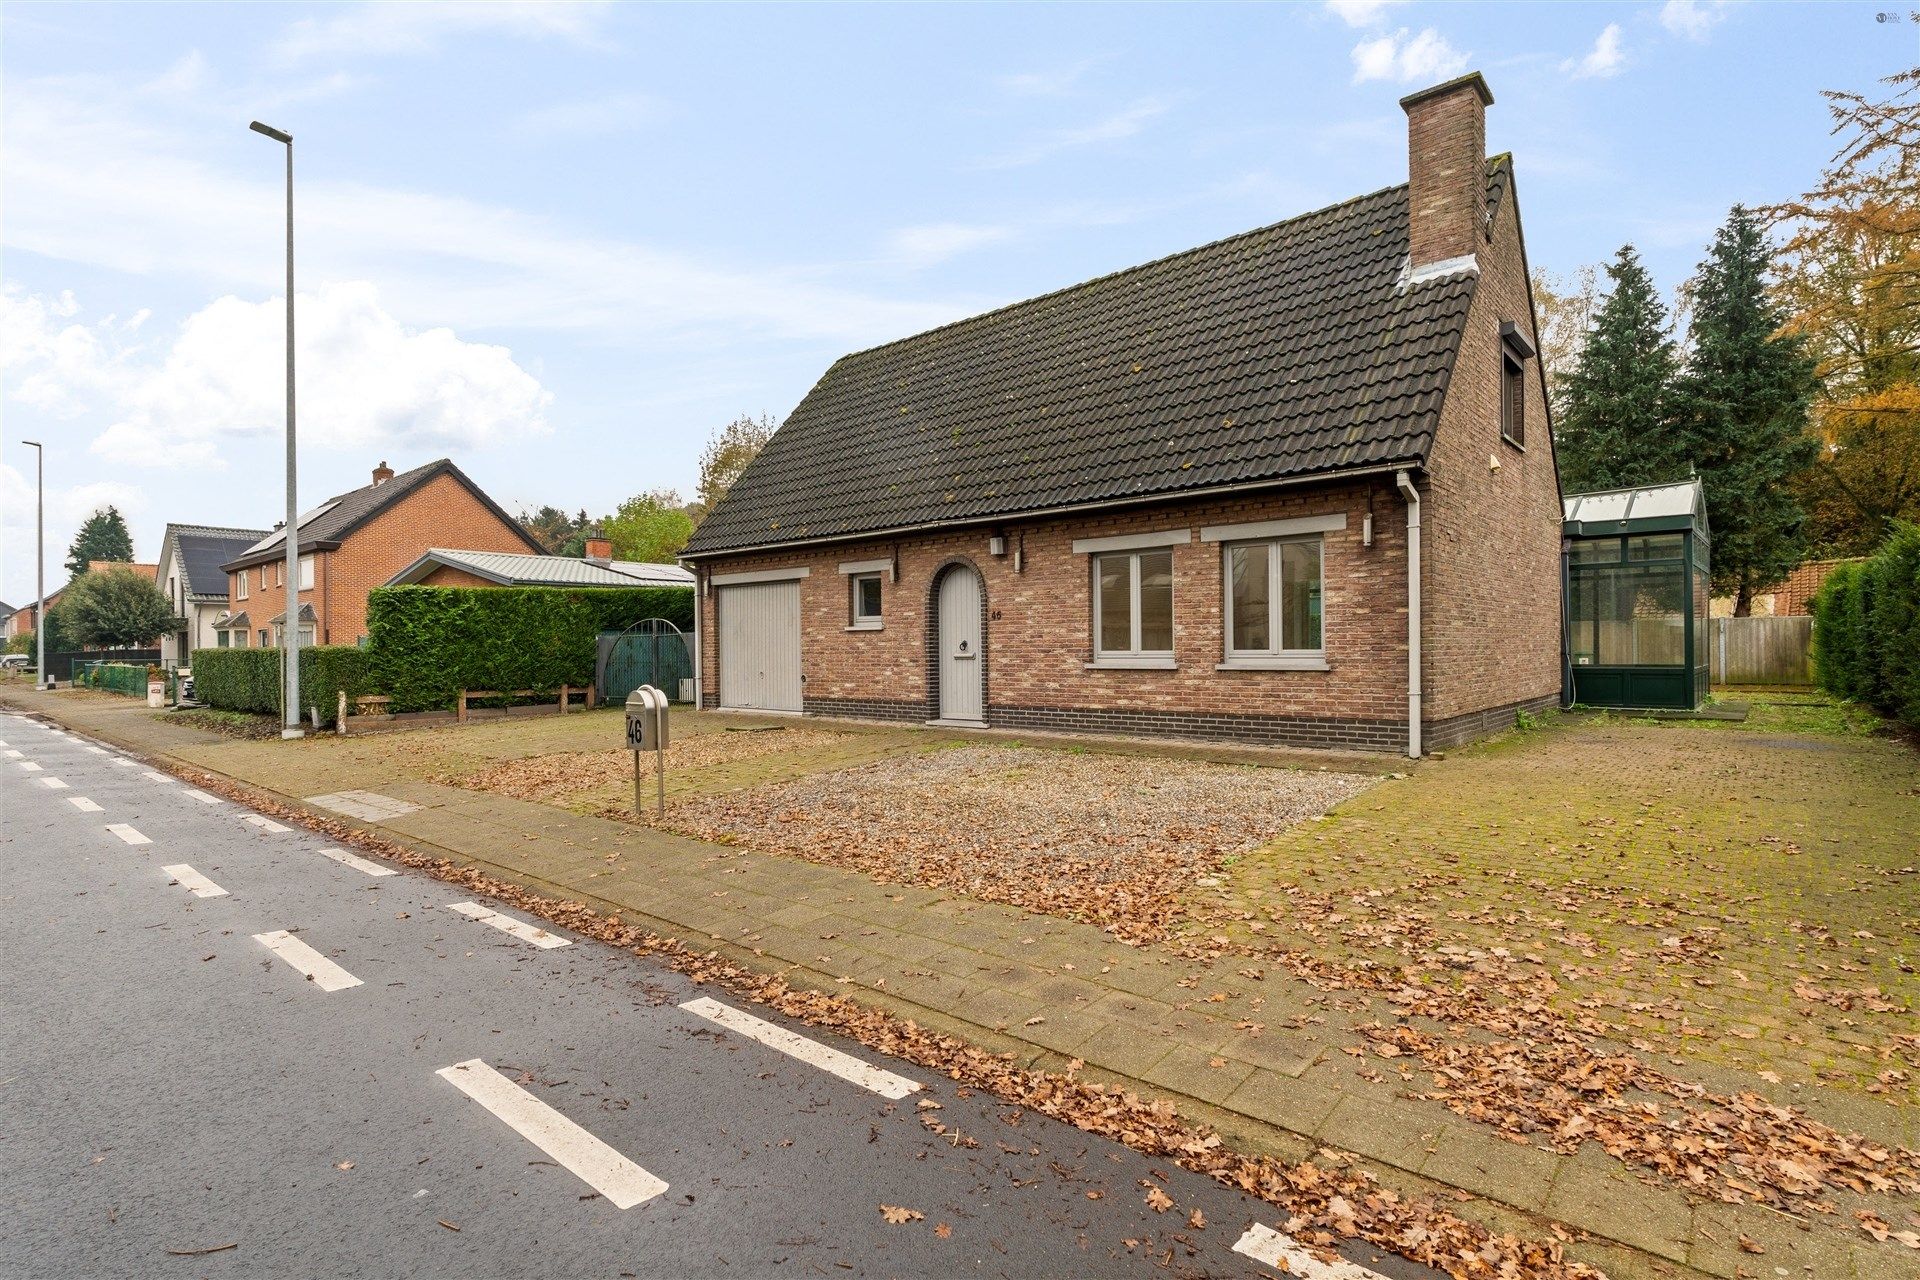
point(1627, 601)
point(1133, 606)
point(306, 573)
point(1274, 591)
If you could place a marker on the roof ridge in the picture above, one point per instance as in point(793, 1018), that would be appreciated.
point(217, 528)
point(1124, 271)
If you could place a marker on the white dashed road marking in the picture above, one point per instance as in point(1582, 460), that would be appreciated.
point(29, 766)
point(202, 796)
point(16, 755)
point(99, 751)
point(357, 862)
point(811, 1052)
point(265, 823)
point(52, 784)
point(83, 804)
point(619, 1179)
point(127, 833)
point(1264, 1244)
point(320, 971)
point(153, 776)
point(507, 924)
point(190, 879)
point(125, 763)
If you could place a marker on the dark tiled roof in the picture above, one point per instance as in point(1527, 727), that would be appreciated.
point(235, 622)
point(338, 516)
point(203, 549)
point(306, 615)
point(1285, 352)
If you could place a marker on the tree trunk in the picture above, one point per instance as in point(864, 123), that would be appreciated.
point(1743, 602)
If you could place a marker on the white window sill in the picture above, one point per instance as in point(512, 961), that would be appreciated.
point(1133, 664)
point(1511, 443)
point(866, 626)
point(1273, 664)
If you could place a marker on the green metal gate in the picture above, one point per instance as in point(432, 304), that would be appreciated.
point(652, 651)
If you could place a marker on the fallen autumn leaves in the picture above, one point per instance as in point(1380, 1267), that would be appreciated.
point(1325, 1205)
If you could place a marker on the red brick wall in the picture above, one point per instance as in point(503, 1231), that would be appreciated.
point(1491, 541)
point(440, 513)
point(1447, 149)
point(448, 576)
point(1039, 627)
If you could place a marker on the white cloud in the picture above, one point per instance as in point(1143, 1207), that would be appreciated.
point(1604, 60)
point(935, 242)
point(591, 117)
point(1407, 58)
point(67, 506)
point(95, 177)
point(1053, 83)
point(1121, 124)
point(413, 28)
point(1692, 19)
point(1360, 13)
point(365, 381)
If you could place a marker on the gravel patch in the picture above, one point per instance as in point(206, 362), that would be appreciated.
point(1112, 840)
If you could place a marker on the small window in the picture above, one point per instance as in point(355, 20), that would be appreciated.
point(1274, 592)
point(306, 573)
point(866, 600)
point(263, 577)
point(265, 642)
point(1133, 605)
point(239, 639)
point(279, 573)
point(1513, 398)
point(222, 639)
point(241, 578)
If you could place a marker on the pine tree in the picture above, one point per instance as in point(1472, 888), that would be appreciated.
point(1616, 423)
point(103, 536)
point(1743, 403)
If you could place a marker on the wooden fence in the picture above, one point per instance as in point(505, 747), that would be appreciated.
point(1761, 650)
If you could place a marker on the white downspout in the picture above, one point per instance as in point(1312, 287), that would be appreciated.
point(699, 611)
point(1412, 497)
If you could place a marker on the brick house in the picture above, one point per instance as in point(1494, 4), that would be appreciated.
point(1294, 487)
point(355, 542)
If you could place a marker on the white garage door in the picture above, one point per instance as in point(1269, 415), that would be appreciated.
point(760, 646)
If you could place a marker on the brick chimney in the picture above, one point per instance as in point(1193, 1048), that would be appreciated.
point(599, 547)
point(382, 473)
point(1447, 171)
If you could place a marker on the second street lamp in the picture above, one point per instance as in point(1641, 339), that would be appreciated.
point(290, 626)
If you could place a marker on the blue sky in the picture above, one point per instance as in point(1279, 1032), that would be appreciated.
point(563, 243)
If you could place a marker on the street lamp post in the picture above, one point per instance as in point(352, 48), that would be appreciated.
point(39, 562)
point(290, 631)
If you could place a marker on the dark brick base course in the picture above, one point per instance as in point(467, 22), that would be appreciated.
point(867, 709)
point(1438, 735)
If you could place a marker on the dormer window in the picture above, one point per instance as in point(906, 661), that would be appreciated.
point(1515, 351)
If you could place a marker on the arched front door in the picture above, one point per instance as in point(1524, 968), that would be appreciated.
point(962, 665)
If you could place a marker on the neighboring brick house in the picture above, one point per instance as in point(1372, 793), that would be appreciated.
point(357, 541)
point(189, 573)
point(1792, 597)
point(1181, 499)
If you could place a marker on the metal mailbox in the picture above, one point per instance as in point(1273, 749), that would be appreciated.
point(647, 731)
point(646, 719)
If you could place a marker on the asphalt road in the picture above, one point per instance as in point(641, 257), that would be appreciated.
point(172, 1081)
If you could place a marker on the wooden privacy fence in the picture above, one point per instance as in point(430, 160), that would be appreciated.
point(1762, 650)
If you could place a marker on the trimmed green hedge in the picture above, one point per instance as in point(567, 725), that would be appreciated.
point(1866, 628)
point(249, 679)
point(428, 643)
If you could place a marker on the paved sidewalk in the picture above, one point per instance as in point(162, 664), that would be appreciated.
point(1257, 1055)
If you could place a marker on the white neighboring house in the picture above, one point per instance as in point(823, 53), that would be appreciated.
point(189, 573)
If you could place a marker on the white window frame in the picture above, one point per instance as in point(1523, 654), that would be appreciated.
point(306, 573)
point(858, 621)
point(1272, 658)
point(241, 594)
point(1133, 657)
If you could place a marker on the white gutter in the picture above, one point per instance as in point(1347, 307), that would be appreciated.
point(1412, 497)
